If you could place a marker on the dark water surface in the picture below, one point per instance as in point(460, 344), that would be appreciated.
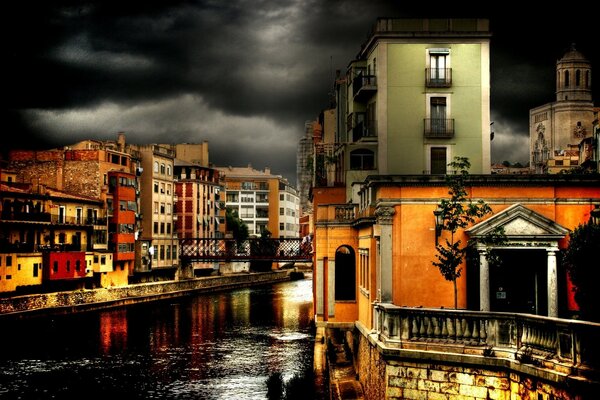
point(225, 345)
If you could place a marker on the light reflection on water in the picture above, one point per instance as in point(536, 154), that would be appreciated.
point(217, 346)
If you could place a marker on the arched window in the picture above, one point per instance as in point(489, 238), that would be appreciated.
point(345, 274)
point(566, 78)
point(156, 166)
point(587, 79)
point(577, 78)
point(362, 159)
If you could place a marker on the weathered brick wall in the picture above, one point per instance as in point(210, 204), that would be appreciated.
point(133, 293)
point(83, 178)
point(394, 378)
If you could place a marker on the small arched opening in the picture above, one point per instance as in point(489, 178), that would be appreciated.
point(345, 274)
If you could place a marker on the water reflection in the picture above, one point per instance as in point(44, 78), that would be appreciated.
point(223, 345)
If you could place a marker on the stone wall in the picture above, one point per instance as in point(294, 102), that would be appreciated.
point(115, 296)
point(388, 375)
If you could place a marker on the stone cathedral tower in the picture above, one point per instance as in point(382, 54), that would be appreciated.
point(556, 129)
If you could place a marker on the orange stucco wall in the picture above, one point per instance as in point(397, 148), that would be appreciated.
point(415, 280)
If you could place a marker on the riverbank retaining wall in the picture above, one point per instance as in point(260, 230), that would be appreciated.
point(86, 299)
point(407, 374)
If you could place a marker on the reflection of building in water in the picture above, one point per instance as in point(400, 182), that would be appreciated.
point(556, 129)
point(113, 331)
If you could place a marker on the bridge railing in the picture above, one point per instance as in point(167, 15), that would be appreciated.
point(542, 341)
point(284, 249)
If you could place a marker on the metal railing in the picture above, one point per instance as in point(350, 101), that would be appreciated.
point(438, 128)
point(207, 249)
point(438, 77)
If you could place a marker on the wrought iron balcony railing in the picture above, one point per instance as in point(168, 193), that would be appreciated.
point(438, 77)
point(364, 86)
point(439, 128)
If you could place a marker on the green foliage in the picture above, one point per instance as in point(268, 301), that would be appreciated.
point(459, 212)
point(581, 262)
point(235, 225)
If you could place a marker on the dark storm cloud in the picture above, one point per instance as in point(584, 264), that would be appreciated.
point(244, 75)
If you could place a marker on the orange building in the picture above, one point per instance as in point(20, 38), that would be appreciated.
point(381, 249)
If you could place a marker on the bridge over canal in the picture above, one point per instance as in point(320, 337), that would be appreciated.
point(276, 250)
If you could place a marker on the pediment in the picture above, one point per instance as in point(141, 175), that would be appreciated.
point(519, 222)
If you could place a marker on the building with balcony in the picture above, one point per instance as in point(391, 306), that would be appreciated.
point(411, 88)
point(158, 237)
point(52, 240)
point(424, 86)
point(198, 206)
point(255, 195)
point(556, 129)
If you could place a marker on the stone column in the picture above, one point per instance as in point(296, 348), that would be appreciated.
point(552, 283)
point(385, 218)
point(484, 281)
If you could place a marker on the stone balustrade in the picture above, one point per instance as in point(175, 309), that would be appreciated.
point(568, 346)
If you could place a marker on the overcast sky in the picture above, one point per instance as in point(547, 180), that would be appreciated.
point(243, 75)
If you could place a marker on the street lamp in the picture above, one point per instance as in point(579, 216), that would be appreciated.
point(439, 222)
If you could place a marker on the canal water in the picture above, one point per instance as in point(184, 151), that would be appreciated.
point(254, 343)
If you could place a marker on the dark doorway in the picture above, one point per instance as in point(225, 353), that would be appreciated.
point(345, 274)
point(520, 284)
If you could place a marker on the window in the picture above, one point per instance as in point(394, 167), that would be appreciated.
point(55, 266)
point(169, 189)
point(566, 78)
point(162, 169)
point(438, 74)
point(168, 170)
point(168, 252)
point(9, 261)
point(577, 78)
point(68, 265)
point(36, 267)
point(162, 228)
point(168, 228)
point(162, 188)
point(162, 208)
point(362, 159)
point(438, 160)
point(156, 166)
point(77, 265)
point(345, 271)
point(168, 209)
point(156, 207)
point(281, 196)
point(155, 187)
point(281, 211)
point(155, 228)
point(162, 252)
point(281, 226)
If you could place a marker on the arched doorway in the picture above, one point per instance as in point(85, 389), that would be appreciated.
point(345, 274)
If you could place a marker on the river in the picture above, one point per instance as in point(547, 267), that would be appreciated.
point(253, 343)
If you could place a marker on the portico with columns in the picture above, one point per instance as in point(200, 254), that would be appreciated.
point(527, 232)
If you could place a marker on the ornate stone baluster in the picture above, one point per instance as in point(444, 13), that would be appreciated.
point(475, 331)
point(422, 329)
point(444, 329)
point(459, 330)
point(451, 329)
point(466, 331)
point(414, 332)
point(483, 330)
point(436, 328)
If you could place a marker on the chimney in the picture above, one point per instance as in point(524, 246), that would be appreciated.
point(121, 141)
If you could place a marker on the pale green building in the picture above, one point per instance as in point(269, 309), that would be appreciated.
point(416, 96)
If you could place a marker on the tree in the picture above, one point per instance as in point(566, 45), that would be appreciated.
point(235, 225)
point(583, 271)
point(458, 212)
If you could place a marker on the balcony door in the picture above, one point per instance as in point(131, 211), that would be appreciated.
point(438, 112)
point(438, 64)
